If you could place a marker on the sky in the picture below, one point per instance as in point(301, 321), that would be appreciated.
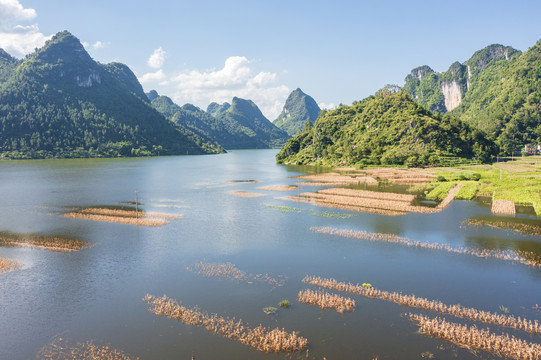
point(210, 51)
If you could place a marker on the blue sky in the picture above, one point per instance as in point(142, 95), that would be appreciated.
point(335, 51)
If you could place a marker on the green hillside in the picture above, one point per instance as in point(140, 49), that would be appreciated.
point(250, 129)
point(58, 102)
point(497, 90)
point(386, 129)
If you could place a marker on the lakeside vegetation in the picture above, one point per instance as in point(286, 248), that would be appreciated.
point(46, 242)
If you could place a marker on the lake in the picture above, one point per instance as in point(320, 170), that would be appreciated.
point(96, 293)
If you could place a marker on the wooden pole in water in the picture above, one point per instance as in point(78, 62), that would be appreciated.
point(136, 206)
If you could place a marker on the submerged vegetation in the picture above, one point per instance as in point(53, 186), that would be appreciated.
point(325, 300)
point(8, 265)
point(470, 337)
point(122, 215)
point(527, 226)
point(59, 349)
point(230, 271)
point(524, 257)
point(46, 242)
point(259, 338)
point(457, 310)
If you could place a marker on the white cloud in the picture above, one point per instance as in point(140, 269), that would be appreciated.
point(327, 106)
point(152, 77)
point(97, 45)
point(236, 78)
point(157, 58)
point(15, 38)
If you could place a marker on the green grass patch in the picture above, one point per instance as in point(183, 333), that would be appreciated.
point(330, 214)
point(468, 191)
point(283, 209)
point(440, 192)
point(284, 304)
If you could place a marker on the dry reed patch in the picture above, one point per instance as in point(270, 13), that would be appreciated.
point(523, 257)
point(46, 242)
point(339, 179)
point(8, 265)
point(60, 350)
point(457, 310)
point(472, 337)
point(504, 207)
point(117, 219)
point(325, 300)
point(230, 271)
point(408, 198)
point(509, 224)
point(330, 204)
point(279, 188)
point(246, 194)
point(259, 338)
point(401, 176)
point(371, 201)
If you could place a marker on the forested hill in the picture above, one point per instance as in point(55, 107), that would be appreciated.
point(298, 109)
point(58, 102)
point(388, 128)
point(249, 128)
point(497, 90)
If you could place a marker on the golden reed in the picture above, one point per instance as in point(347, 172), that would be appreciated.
point(230, 271)
point(8, 265)
point(259, 338)
point(523, 257)
point(457, 310)
point(325, 300)
point(60, 350)
point(45, 242)
point(472, 337)
point(503, 207)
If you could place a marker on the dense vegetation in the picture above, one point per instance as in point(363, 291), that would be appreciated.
point(500, 93)
point(58, 102)
point(248, 127)
point(237, 126)
point(192, 118)
point(386, 129)
point(298, 109)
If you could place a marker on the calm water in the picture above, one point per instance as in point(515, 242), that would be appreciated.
point(95, 294)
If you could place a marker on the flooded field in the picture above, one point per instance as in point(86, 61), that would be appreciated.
point(228, 267)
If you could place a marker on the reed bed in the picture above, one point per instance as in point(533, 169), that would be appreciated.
point(260, 338)
point(246, 194)
point(8, 265)
point(470, 337)
point(339, 179)
point(456, 310)
point(60, 350)
point(117, 219)
point(45, 242)
point(401, 176)
point(230, 271)
point(325, 300)
point(510, 224)
point(523, 257)
point(371, 201)
point(503, 207)
point(408, 198)
point(279, 188)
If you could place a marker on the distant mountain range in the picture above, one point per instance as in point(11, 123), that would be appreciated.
point(299, 109)
point(59, 102)
point(239, 125)
point(497, 90)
